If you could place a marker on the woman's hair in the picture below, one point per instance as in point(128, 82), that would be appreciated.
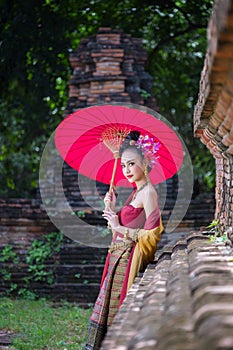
point(146, 146)
point(127, 144)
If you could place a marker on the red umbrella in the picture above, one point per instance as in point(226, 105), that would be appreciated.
point(87, 139)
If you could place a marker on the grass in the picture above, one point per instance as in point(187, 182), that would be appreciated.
point(39, 325)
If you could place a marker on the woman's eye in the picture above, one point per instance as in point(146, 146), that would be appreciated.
point(123, 166)
point(131, 164)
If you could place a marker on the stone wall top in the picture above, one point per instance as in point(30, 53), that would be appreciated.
point(182, 301)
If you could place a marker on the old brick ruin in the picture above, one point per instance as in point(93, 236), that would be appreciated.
point(213, 117)
point(78, 269)
point(184, 299)
point(109, 67)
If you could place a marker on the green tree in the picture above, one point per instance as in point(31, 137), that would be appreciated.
point(36, 38)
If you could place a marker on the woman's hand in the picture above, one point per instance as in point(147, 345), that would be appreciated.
point(110, 200)
point(112, 218)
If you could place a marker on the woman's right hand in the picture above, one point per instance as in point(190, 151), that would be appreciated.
point(110, 200)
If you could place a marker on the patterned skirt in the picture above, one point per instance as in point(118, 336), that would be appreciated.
point(108, 301)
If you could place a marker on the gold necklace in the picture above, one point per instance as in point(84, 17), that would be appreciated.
point(140, 189)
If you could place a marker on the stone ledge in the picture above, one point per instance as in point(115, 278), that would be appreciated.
point(183, 301)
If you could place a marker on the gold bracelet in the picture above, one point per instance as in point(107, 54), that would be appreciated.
point(126, 233)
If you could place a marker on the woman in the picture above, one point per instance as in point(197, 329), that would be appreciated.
point(136, 230)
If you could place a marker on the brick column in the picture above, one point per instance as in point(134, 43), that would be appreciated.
point(213, 115)
point(109, 67)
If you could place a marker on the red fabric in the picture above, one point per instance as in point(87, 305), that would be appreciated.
point(132, 217)
point(153, 220)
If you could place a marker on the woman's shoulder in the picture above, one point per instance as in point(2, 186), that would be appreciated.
point(150, 197)
point(151, 190)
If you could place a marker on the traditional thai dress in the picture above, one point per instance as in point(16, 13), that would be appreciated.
point(123, 262)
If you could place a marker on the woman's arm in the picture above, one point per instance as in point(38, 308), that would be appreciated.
point(110, 200)
point(113, 221)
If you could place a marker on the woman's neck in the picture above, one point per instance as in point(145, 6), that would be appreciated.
point(141, 182)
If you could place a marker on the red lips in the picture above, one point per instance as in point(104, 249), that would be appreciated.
point(129, 176)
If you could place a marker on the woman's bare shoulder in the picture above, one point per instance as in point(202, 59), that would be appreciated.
point(150, 199)
point(152, 191)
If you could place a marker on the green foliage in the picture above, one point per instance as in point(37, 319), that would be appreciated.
point(38, 254)
point(41, 325)
point(9, 257)
point(218, 239)
point(81, 213)
point(145, 94)
point(214, 227)
point(36, 40)
point(215, 233)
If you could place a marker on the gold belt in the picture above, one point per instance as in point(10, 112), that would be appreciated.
point(125, 244)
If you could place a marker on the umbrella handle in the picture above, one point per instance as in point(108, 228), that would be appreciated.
point(113, 175)
point(107, 205)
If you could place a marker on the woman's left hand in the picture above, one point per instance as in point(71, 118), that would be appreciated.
point(111, 217)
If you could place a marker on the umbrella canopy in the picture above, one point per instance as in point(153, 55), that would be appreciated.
point(81, 141)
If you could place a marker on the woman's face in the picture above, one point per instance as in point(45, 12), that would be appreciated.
point(132, 165)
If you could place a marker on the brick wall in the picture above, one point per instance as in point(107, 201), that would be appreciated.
point(224, 191)
point(77, 269)
point(213, 115)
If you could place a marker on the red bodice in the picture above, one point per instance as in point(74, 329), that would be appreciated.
point(132, 217)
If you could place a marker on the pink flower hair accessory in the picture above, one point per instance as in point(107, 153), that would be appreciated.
point(149, 148)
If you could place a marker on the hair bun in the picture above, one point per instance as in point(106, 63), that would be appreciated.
point(132, 136)
point(130, 141)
